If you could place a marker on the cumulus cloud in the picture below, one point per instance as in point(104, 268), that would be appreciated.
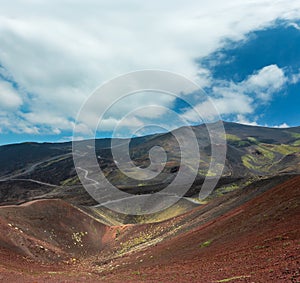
point(228, 103)
point(282, 126)
point(229, 98)
point(243, 120)
point(295, 78)
point(295, 25)
point(265, 82)
point(60, 51)
point(13, 123)
point(9, 97)
point(47, 121)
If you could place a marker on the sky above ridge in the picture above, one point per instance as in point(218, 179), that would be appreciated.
point(244, 54)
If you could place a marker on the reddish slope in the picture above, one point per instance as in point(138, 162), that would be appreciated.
point(257, 241)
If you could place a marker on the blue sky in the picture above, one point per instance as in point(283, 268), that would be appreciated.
point(277, 45)
point(244, 54)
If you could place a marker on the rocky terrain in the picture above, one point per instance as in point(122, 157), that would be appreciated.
point(249, 235)
point(48, 170)
point(248, 230)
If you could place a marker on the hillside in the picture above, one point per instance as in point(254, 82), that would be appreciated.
point(250, 235)
point(51, 230)
point(47, 170)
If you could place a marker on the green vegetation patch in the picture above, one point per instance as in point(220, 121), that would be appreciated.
point(227, 189)
point(264, 155)
point(53, 162)
point(286, 149)
point(77, 238)
point(237, 142)
point(242, 143)
point(252, 140)
point(296, 143)
point(70, 181)
point(198, 200)
point(230, 137)
point(205, 244)
point(212, 172)
point(142, 238)
point(259, 160)
point(233, 278)
point(250, 162)
point(266, 152)
point(295, 135)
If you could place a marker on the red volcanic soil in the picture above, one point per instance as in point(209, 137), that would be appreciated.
point(258, 241)
point(254, 241)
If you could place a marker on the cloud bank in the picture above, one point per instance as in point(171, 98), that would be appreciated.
point(53, 54)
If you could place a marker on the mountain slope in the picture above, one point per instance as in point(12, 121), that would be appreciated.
point(255, 242)
point(248, 235)
point(252, 153)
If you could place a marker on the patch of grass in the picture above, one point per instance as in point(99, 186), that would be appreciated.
point(260, 247)
point(233, 278)
point(77, 238)
point(261, 160)
point(70, 181)
point(142, 238)
point(230, 188)
point(285, 149)
point(205, 244)
point(250, 162)
point(266, 152)
point(243, 143)
point(238, 142)
point(226, 189)
point(295, 135)
point(296, 143)
point(263, 155)
point(252, 140)
point(210, 174)
point(215, 170)
point(198, 200)
point(246, 159)
point(53, 161)
point(230, 137)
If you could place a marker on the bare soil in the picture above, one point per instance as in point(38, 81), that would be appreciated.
point(256, 241)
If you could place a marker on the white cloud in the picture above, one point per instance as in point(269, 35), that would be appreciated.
point(45, 118)
point(243, 120)
point(5, 74)
point(59, 51)
point(282, 126)
point(241, 98)
point(295, 78)
point(150, 111)
point(265, 82)
point(9, 97)
point(295, 25)
point(11, 122)
point(228, 103)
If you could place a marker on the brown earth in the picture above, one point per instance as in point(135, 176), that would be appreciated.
point(241, 237)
